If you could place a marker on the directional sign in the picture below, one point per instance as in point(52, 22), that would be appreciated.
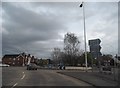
point(96, 54)
point(94, 42)
point(95, 47)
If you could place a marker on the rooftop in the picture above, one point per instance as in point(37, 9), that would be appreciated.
point(10, 55)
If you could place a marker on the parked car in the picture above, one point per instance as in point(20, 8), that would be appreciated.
point(4, 65)
point(32, 66)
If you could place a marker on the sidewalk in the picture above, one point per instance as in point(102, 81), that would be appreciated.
point(106, 76)
point(95, 78)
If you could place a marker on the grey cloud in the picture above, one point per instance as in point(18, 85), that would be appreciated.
point(29, 19)
point(25, 27)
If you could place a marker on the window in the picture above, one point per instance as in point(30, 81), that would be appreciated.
point(14, 59)
point(13, 63)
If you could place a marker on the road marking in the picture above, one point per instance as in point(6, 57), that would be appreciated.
point(14, 85)
point(23, 77)
point(23, 72)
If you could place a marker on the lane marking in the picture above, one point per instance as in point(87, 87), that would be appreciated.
point(14, 85)
point(23, 77)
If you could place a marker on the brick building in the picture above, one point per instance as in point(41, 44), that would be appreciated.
point(17, 59)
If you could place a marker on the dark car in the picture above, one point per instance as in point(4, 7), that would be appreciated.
point(32, 66)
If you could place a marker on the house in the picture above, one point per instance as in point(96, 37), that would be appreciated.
point(13, 59)
point(29, 59)
point(17, 59)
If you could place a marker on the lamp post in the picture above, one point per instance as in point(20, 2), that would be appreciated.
point(81, 5)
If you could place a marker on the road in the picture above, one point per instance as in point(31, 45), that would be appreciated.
point(19, 76)
point(0, 76)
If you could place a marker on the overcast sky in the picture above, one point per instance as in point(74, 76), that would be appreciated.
point(38, 27)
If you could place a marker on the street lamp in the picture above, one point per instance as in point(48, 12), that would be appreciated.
point(81, 5)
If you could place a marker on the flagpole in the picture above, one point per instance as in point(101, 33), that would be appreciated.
point(84, 36)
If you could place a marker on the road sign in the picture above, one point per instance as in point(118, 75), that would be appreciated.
point(94, 42)
point(95, 47)
point(96, 54)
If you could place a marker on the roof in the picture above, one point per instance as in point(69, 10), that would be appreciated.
point(11, 55)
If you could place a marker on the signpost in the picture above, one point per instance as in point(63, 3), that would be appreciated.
point(95, 50)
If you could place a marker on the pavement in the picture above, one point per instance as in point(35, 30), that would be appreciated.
point(19, 76)
point(94, 78)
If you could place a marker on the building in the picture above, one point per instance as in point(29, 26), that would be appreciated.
point(17, 59)
point(13, 60)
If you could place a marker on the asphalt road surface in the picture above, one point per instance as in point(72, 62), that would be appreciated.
point(0, 76)
point(19, 76)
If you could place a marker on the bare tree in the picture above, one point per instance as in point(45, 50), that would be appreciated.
point(56, 55)
point(71, 47)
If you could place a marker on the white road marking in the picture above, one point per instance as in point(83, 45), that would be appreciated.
point(14, 85)
point(23, 77)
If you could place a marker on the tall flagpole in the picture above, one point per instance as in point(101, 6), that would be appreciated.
point(84, 36)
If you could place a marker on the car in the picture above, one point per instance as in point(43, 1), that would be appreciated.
point(4, 65)
point(32, 66)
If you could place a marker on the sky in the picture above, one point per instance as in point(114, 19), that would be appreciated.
point(38, 27)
